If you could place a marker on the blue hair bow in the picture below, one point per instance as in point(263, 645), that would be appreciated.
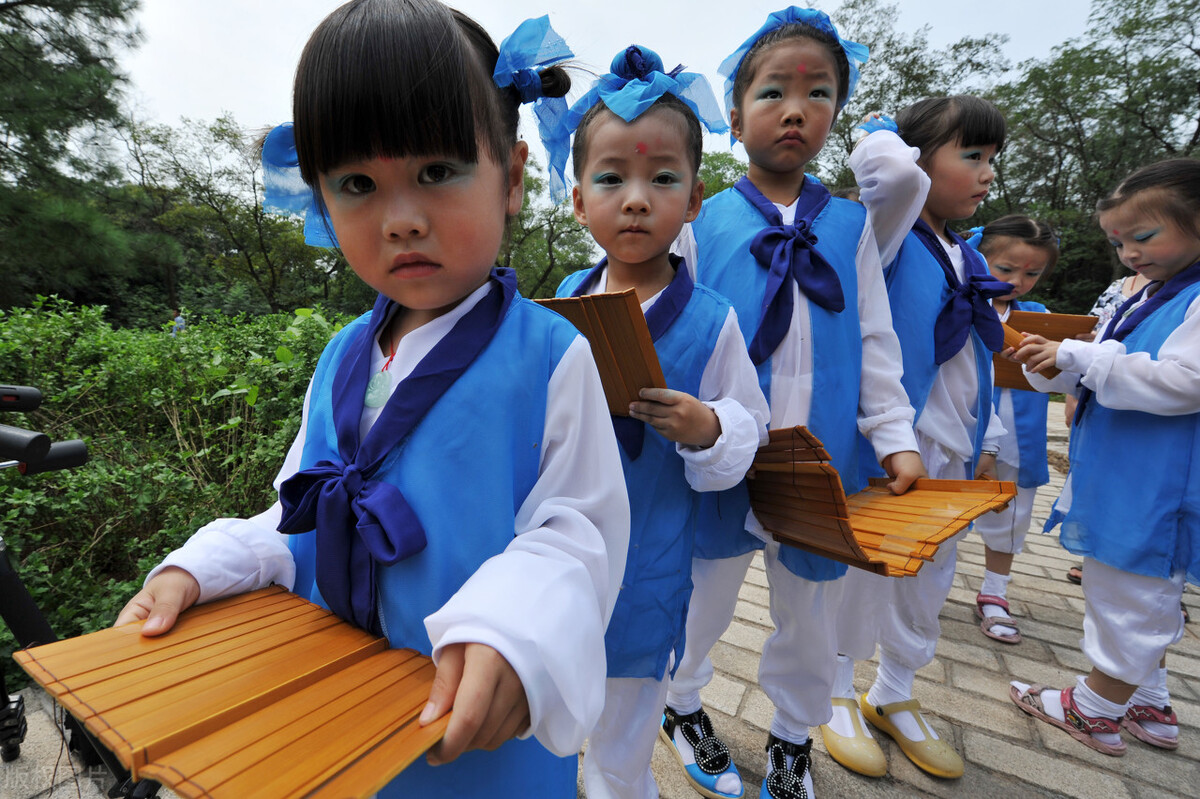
point(856, 54)
point(636, 82)
point(881, 122)
point(285, 192)
point(974, 236)
point(533, 46)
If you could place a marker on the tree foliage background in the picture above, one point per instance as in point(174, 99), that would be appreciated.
point(125, 221)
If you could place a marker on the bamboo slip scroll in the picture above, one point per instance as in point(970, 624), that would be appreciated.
point(614, 325)
point(798, 497)
point(1053, 326)
point(263, 694)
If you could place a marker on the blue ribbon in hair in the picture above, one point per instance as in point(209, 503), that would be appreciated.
point(974, 237)
point(856, 54)
point(532, 47)
point(880, 122)
point(636, 82)
point(285, 192)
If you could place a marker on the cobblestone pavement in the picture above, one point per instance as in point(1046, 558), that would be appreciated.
point(965, 690)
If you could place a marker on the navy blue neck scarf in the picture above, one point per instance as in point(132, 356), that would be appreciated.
point(631, 433)
point(789, 251)
point(360, 521)
point(967, 304)
point(1120, 327)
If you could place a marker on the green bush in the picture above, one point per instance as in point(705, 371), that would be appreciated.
point(179, 430)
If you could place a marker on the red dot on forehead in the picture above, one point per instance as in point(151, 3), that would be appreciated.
point(1116, 233)
point(802, 67)
point(641, 147)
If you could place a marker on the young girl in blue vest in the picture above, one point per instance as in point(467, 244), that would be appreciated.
point(938, 288)
point(803, 272)
point(455, 484)
point(1139, 411)
point(1020, 251)
point(636, 161)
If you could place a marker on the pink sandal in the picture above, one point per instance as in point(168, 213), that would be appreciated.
point(987, 623)
point(1077, 725)
point(1140, 713)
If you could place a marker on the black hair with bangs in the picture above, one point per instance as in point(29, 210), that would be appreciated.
point(694, 137)
point(971, 121)
point(793, 30)
point(401, 78)
point(1018, 227)
point(1167, 190)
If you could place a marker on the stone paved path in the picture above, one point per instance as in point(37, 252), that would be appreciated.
point(1007, 753)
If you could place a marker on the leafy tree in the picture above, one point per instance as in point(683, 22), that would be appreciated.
point(203, 185)
point(545, 243)
point(1123, 95)
point(902, 69)
point(719, 171)
point(59, 100)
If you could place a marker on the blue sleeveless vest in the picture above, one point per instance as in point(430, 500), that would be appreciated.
point(1135, 476)
point(917, 290)
point(1029, 415)
point(648, 621)
point(724, 229)
point(465, 470)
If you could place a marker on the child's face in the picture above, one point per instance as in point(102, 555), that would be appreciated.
point(788, 109)
point(637, 187)
point(959, 179)
point(1150, 246)
point(423, 231)
point(1017, 262)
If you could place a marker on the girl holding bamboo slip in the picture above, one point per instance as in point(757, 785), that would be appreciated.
point(938, 290)
point(404, 153)
point(1138, 413)
point(1020, 251)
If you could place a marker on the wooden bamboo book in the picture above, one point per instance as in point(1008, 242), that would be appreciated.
point(798, 497)
point(264, 694)
point(614, 325)
point(1054, 326)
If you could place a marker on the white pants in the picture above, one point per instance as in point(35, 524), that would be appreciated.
point(799, 658)
point(901, 613)
point(1129, 620)
point(616, 764)
point(1004, 530)
point(716, 584)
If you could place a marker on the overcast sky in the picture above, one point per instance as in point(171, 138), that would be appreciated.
point(200, 58)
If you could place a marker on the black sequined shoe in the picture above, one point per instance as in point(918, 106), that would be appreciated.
point(788, 780)
point(712, 765)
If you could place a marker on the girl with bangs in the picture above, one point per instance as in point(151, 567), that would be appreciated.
point(455, 485)
point(939, 290)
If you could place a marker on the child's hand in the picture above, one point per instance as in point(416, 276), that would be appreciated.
point(904, 468)
point(986, 468)
point(168, 594)
point(1037, 353)
point(679, 417)
point(486, 695)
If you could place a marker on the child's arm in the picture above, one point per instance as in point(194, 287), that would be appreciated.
point(544, 602)
point(1167, 386)
point(891, 186)
point(885, 416)
point(223, 558)
point(729, 387)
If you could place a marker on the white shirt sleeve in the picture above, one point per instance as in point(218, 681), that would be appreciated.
point(1167, 386)
point(891, 186)
point(545, 601)
point(885, 416)
point(729, 385)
